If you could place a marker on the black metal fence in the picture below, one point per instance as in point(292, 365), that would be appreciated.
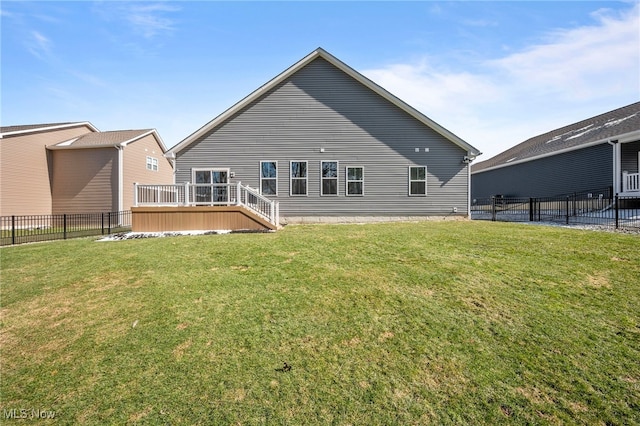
point(28, 229)
point(600, 208)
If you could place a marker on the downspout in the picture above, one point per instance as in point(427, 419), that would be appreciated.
point(469, 190)
point(468, 159)
point(616, 165)
point(171, 156)
point(120, 149)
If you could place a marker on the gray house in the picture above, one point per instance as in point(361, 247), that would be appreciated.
point(594, 154)
point(325, 142)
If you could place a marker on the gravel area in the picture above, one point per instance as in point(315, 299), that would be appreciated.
point(140, 235)
point(586, 226)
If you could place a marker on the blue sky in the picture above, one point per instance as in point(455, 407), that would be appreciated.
point(494, 73)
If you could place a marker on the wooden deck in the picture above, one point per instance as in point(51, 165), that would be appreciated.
point(190, 218)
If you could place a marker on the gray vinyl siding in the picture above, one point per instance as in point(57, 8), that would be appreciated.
point(321, 108)
point(581, 170)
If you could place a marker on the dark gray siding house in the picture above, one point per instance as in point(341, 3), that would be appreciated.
point(594, 154)
point(325, 142)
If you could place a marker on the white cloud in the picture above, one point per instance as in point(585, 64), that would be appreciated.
point(39, 45)
point(573, 74)
point(143, 18)
point(579, 64)
point(148, 20)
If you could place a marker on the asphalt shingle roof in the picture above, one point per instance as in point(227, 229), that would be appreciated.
point(98, 139)
point(599, 128)
point(25, 127)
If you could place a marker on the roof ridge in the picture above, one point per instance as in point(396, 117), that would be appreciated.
point(297, 66)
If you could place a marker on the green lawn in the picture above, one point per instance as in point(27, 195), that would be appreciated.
point(412, 323)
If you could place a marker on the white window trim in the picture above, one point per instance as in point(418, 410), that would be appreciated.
point(347, 181)
point(337, 178)
point(152, 164)
point(261, 178)
point(209, 169)
point(419, 180)
point(306, 178)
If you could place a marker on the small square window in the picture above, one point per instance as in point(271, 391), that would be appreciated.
point(152, 164)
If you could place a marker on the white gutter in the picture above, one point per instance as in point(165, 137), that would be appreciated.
point(47, 128)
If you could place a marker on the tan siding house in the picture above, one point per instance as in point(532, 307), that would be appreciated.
point(74, 168)
point(135, 166)
point(25, 165)
point(85, 181)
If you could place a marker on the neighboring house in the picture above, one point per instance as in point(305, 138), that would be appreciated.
point(326, 142)
point(593, 154)
point(74, 168)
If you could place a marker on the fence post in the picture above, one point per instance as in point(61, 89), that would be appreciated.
point(493, 208)
point(64, 226)
point(186, 193)
point(239, 194)
point(531, 208)
point(102, 223)
point(109, 223)
point(616, 206)
point(135, 194)
point(13, 229)
point(567, 210)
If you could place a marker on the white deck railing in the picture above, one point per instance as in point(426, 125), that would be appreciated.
point(197, 194)
point(630, 182)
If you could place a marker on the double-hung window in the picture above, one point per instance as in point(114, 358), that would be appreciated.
point(355, 181)
point(269, 177)
point(417, 180)
point(329, 178)
point(152, 164)
point(299, 181)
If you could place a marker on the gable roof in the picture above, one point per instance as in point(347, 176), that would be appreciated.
point(33, 128)
point(108, 139)
point(622, 124)
point(321, 53)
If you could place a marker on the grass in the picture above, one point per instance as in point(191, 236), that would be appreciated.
point(40, 234)
point(413, 323)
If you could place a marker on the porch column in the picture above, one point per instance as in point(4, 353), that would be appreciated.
point(616, 166)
